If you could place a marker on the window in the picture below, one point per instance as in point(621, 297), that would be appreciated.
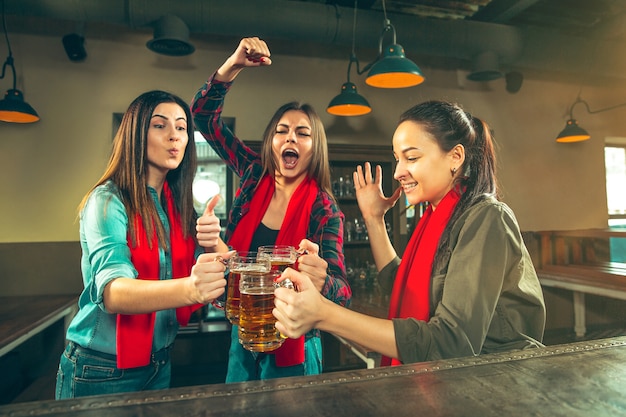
point(615, 164)
point(212, 177)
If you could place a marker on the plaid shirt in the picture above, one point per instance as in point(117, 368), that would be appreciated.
point(326, 225)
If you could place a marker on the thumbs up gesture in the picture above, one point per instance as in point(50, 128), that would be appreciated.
point(208, 225)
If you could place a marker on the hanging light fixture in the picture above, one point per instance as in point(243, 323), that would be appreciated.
point(392, 69)
point(13, 108)
point(171, 37)
point(574, 133)
point(349, 102)
point(485, 67)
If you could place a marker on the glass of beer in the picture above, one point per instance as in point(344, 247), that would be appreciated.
point(257, 331)
point(241, 262)
point(281, 256)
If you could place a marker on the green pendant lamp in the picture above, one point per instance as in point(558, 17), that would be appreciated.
point(393, 69)
point(349, 102)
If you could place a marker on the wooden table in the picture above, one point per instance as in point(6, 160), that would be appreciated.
point(575, 380)
point(579, 261)
point(22, 317)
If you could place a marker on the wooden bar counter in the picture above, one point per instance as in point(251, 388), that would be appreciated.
point(23, 317)
point(579, 379)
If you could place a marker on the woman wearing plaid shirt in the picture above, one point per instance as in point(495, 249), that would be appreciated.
point(285, 197)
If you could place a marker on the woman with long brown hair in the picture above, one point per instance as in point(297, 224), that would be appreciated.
point(143, 270)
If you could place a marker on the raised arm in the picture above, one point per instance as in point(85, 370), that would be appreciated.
point(251, 52)
point(373, 205)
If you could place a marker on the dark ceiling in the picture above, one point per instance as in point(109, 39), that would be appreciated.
point(603, 18)
point(557, 39)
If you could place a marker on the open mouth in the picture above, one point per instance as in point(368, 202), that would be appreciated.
point(290, 158)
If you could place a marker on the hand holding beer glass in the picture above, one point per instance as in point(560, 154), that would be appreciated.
point(257, 330)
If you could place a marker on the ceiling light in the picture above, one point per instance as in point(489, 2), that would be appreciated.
point(349, 102)
point(574, 133)
point(485, 67)
point(390, 69)
point(171, 37)
point(393, 69)
point(13, 108)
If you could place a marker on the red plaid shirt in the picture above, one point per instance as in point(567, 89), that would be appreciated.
point(326, 225)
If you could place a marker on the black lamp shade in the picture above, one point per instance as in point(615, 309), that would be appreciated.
point(572, 133)
point(485, 67)
point(394, 70)
point(14, 109)
point(171, 37)
point(348, 102)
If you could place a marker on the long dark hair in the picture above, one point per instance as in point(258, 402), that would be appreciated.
point(319, 168)
point(128, 168)
point(450, 126)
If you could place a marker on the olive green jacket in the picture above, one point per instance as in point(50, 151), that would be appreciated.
point(486, 298)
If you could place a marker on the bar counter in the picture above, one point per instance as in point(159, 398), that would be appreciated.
point(578, 379)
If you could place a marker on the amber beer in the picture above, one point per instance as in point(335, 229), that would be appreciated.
point(233, 296)
point(257, 332)
point(280, 265)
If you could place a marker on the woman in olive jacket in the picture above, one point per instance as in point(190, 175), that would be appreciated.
point(466, 284)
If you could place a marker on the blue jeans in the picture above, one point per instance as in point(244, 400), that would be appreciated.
point(244, 365)
point(85, 372)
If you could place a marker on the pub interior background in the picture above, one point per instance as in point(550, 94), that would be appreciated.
point(46, 167)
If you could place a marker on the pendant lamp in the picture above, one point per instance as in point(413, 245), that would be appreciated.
point(349, 102)
point(393, 69)
point(574, 133)
point(171, 37)
point(13, 108)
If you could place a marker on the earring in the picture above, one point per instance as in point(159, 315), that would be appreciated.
point(453, 171)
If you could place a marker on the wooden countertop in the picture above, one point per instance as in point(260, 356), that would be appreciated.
point(21, 317)
point(575, 380)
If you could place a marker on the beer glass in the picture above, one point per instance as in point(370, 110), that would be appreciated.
point(241, 262)
point(281, 256)
point(257, 331)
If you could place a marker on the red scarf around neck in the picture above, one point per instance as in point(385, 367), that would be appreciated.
point(135, 332)
point(410, 296)
point(293, 229)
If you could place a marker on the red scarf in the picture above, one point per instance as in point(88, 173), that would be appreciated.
point(410, 296)
point(135, 332)
point(292, 231)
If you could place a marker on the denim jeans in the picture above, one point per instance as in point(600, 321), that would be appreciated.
point(85, 372)
point(244, 365)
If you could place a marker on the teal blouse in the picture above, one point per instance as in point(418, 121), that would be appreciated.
point(106, 256)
